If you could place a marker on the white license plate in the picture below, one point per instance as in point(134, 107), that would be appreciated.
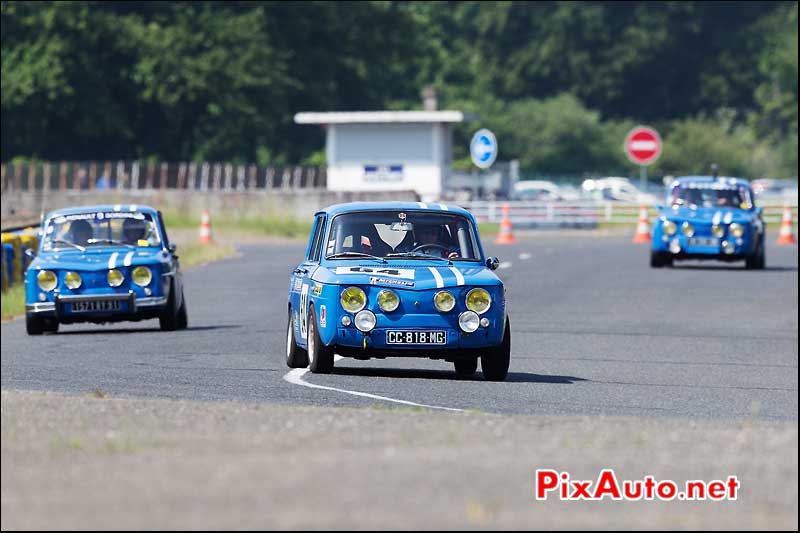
point(703, 242)
point(416, 337)
point(96, 305)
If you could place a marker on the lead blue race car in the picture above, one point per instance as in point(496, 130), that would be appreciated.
point(391, 279)
point(709, 217)
point(104, 264)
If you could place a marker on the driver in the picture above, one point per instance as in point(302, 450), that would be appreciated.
point(80, 232)
point(134, 230)
point(428, 239)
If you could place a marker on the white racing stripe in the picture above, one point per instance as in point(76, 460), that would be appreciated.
point(437, 277)
point(128, 258)
point(458, 275)
point(295, 377)
point(112, 261)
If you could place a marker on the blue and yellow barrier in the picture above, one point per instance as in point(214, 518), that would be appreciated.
point(15, 260)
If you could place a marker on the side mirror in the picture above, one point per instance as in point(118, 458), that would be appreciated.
point(172, 247)
point(492, 262)
point(30, 252)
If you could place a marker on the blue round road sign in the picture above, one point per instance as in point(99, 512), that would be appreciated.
point(483, 148)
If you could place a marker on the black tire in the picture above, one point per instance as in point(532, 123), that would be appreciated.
point(320, 357)
point(757, 261)
point(34, 325)
point(296, 357)
point(494, 364)
point(169, 317)
point(50, 325)
point(660, 259)
point(466, 367)
point(183, 317)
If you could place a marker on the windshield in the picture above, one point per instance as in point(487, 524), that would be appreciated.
point(101, 228)
point(711, 195)
point(406, 234)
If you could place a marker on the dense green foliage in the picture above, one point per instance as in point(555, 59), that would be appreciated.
point(560, 82)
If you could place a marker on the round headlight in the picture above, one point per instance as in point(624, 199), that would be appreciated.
point(142, 276)
point(478, 300)
point(115, 278)
point(46, 280)
point(444, 301)
point(353, 299)
point(72, 280)
point(468, 321)
point(388, 300)
point(669, 227)
point(365, 320)
point(737, 230)
point(717, 231)
point(687, 229)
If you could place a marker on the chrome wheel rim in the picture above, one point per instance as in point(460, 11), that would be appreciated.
point(289, 340)
point(311, 343)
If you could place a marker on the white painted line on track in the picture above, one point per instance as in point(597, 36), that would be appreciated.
point(524, 255)
point(295, 377)
point(504, 265)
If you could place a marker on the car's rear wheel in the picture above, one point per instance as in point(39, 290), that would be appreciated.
point(494, 364)
point(466, 367)
point(296, 357)
point(34, 325)
point(320, 357)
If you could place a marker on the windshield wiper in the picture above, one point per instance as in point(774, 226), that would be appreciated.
point(62, 241)
point(415, 255)
point(342, 255)
point(110, 241)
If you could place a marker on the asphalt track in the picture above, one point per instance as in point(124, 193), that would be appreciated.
point(595, 331)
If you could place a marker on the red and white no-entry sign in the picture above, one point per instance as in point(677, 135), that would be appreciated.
point(643, 145)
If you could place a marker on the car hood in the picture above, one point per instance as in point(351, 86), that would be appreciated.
point(709, 215)
point(406, 275)
point(97, 259)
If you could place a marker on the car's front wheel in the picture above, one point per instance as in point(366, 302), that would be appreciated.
point(466, 367)
point(34, 325)
point(320, 357)
point(296, 357)
point(757, 261)
point(494, 364)
point(169, 317)
point(660, 259)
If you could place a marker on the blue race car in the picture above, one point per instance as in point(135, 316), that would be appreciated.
point(709, 218)
point(391, 279)
point(104, 264)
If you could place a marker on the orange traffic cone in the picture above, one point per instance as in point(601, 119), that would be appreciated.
point(786, 236)
point(642, 227)
point(505, 236)
point(205, 227)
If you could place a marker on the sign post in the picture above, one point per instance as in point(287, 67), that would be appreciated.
point(483, 150)
point(643, 147)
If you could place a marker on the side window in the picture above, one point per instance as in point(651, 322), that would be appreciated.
point(316, 245)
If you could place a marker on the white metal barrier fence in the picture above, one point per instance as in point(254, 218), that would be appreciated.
point(586, 213)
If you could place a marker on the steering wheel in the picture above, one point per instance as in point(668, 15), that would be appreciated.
point(430, 245)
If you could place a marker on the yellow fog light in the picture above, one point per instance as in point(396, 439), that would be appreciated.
point(478, 300)
point(717, 231)
point(687, 229)
point(46, 280)
point(669, 227)
point(115, 278)
point(388, 300)
point(736, 230)
point(444, 301)
point(353, 299)
point(72, 280)
point(141, 276)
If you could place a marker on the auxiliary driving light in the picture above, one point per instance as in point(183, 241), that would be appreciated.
point(346, 320)
point(353, 299)
point(479, 300)
point(675, 246)
point(444, 301)
point(468, 321)
point(669, 227)
point(687, 229)
point(115, 278)
point(717, 231)
point(141, 276)
point(736, 230)
point(365, 321)
point(728, 247)
point(388, 300)
point(72, 280)
point(46, 280)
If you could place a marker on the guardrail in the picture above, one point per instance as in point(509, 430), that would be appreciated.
point(590, 213)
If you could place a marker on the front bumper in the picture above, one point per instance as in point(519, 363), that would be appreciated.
point(135, 306)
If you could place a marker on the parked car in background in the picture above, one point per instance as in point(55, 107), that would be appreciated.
point(543, 191)
point(775, 190)
point(104, 264)
point(709, 218)
point(617, 189)
point(392, 279)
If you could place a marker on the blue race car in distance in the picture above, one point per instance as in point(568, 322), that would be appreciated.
point(709, 218)
point(391, 279)
point(104, 264)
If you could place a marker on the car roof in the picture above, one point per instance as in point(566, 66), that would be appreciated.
point(710, 179)
point(349, 207)
point(129, 208)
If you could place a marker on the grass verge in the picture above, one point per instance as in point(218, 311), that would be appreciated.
point(13, 302)
point(256, 225)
